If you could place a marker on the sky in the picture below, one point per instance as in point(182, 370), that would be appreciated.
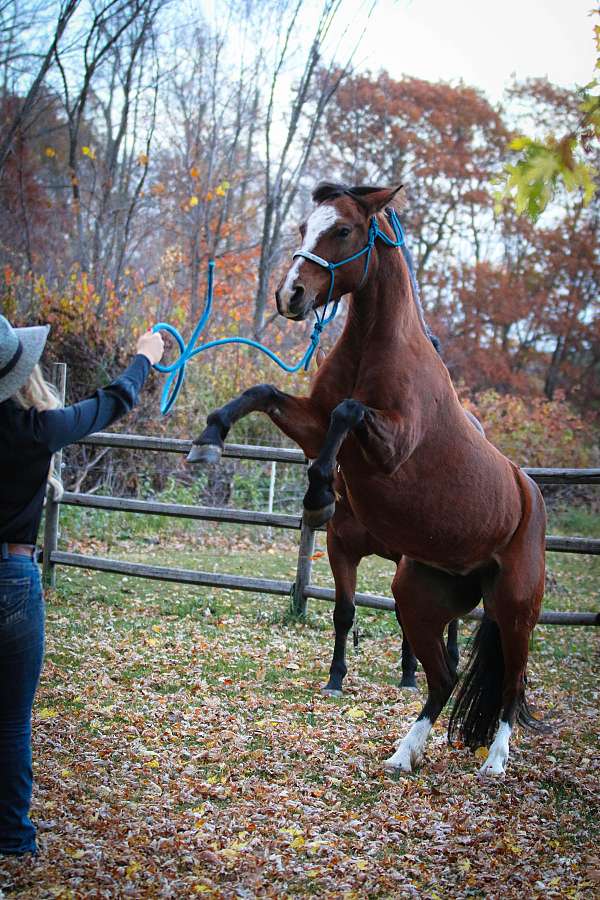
point(482, 42)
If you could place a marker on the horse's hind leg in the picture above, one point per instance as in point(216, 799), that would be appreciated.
point(493, 688)
point(409, 660)
point(409, 664)
point(452, 643)
point(343, 568)
point(426, 600)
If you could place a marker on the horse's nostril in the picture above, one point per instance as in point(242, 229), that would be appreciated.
point(298, 295)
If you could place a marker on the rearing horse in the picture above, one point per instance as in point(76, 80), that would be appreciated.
point(466, 522)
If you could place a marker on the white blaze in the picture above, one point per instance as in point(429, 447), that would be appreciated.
point(318, 223)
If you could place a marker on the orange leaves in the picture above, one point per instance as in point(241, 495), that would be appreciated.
point(535, 431)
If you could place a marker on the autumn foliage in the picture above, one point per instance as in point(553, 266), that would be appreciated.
point(102, 239)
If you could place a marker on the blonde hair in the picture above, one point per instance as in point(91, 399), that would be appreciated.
point(39, 394)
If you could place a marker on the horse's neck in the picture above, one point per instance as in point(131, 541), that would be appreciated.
point(383, 331)
point(385, 308)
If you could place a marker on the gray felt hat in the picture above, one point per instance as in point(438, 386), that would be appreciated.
point(20, 350)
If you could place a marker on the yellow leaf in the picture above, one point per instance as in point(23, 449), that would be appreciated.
point(153, 764)
point(361, 864)
point(464, 865)
point(355, 712)
point(46, 712)
point(143, 159)
point(194, 172)
point(193, 201)
point(87, 151)
point(201, 889)
point(482, 753)
point(519, 143)
point(157, 628)
point(50, 152)
point(298, 842)
point(132, 869)
point(66, 772)
point(75, 854)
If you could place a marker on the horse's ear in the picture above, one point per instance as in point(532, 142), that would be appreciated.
point(375, 201)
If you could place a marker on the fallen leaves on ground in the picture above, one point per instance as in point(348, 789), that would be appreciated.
point(177, 755)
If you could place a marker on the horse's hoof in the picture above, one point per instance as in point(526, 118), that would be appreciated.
point(394, 767)
point(490, 772)
point(408, 687)
point(332, 692)
point(204, 453)
point(314, 518)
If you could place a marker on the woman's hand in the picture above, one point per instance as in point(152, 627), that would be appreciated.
point(151, 346)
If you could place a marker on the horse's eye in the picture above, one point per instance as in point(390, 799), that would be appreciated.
point(343, 232)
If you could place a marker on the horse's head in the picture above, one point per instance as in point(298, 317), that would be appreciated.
point(336, 231)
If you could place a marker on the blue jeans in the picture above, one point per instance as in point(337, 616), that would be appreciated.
point(21, 653)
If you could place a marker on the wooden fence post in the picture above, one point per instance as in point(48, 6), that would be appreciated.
point(59, 378)
point(303, 570)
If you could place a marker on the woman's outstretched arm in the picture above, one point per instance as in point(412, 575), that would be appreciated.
point(56, 428)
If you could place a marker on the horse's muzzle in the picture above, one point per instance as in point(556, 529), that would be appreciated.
point(294, 305)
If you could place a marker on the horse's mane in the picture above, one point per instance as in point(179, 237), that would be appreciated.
point(330, 190)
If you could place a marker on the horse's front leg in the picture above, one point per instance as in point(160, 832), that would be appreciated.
point(385, 437)
point(295, 416)
point(344, 568)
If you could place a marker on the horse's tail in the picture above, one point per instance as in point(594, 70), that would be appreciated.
point(478, 702)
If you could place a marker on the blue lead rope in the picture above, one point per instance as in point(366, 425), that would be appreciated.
point(176, 371)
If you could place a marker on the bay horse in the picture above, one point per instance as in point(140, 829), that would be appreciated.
point(465, 521)
point(348, 542)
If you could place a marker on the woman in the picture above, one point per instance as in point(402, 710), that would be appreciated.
point(32, 428)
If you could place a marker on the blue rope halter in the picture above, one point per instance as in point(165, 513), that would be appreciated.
point(176, 370)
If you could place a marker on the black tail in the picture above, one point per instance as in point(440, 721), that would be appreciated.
point(478, 703)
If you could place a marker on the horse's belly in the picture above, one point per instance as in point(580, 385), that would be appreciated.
point(453, 525)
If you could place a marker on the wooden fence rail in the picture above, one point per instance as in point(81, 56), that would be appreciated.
point(301, 589)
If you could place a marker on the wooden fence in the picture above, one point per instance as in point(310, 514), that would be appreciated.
point(301, 589)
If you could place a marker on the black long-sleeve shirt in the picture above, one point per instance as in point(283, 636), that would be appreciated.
point(28, 439)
